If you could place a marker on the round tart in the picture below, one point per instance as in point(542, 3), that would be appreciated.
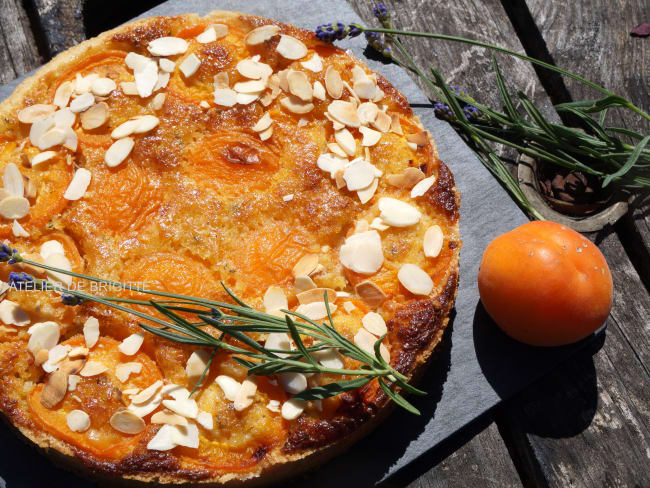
point(180, 152)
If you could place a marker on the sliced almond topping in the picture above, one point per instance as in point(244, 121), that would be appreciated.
point(167, 46)
point(92, 368)
point(336, 149)
point(275, 299)
point(432, 243)
point(344, 112)
point(95, 116)
point(379, 95)
point(146, 78)
point(406, 180)
point(158, 101)
point(396, 124)
point(293, 382)
point(31, 114)
point(79, 184)
point(370, 293)
point(366, 341)
point(52, 137)
point(31, 190)
point(39, 128)
point(293, 408)
point(382, 122)
point(291, 48)
point(333, 82)
point(57, 260)
point(136, 62)
point(254, 69)
point(13, 207)
point(82, 102)
point(12, 314)
point(366, 194)
point(316, 295)
point(299, 85)
point(374, 323)
point(78, 352)
point(78, 421)
point(41, 357)
point(125, 129)
point(265, 134)
point(43, 335)
point(208, 35)
point(124, 370)
point(306, 265)
point(346, 141)
point(318, 90)
point(91, 331)
point(303, 283)
point(367, 112)
point(422, 187)
point(70, 141)
point(420, 138)
point(315, 63)
point(362, 253)
point(147, 394)
point(168, 417)
point(264, 123)
point(246, 394)
point(64, 118)
point(415, 279)
point(18, 230)
point(225, 97)
point(196, 364)
point(163, 440)
point(118, 151)
point(12, 180)
point(131, 344)
point(330, 358)
point(273, 406)
point(396, 213)
point(315, 310)
point(296, 105)
point(184, 406)
point(246, 98)
point(189, 65)
point(166, 65)
point(187, 436)
point(129, 87)
point(42, 157)
point(229, 386)
point(359, 174)
point(127, 422)
point(331, 163)
point(370, 137)
point(146, 123)
point(63, 94)
point(261, 34)
point(102, 86)
point(365, 88)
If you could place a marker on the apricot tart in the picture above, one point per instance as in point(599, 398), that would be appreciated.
point(181, 152)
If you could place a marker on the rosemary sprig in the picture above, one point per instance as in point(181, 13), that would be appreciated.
point(235, 322)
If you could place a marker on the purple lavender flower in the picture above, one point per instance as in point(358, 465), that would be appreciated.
point(7, 254)
point(72, 300)
point(381, 12)
point(377, 42)
point(21, 281)
point(337, 31)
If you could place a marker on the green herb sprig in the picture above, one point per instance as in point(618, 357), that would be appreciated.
point(235, 321)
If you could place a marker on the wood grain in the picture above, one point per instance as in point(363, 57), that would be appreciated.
point(61, 23)
point(18, 53)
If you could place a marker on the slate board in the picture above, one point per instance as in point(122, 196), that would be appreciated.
point(476, 366)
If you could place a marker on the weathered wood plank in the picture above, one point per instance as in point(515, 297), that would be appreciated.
point(18, 53)
point(60, 22)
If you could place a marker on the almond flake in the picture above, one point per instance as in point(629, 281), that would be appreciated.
point(336, 149)
point(158, 101)
point(315, 63)
point(395, 124)
point(39, 128)
point(136, 62)
point(346, 141)
point(102, 86)
point(146, 123)
point(95, 116)
point(359, 174)
point(293, 382)
point(370, 293)
point(422, 187)
point(229, 386)
point(12, 314)
point(166, 65)
point(70, 141)
point(185, 407)
point(366, 341)
point(130, 391)
point(318, 90)
point(382, 122)
point(265, 134)
point(299, 85)
point(407, 180)
point(125, 129)
point(167, 46)
point(275, 299)
point(42, 157)
point(246, 98)
point(129, 87)
point(246, 394)
point(362, 253)
point(333, 82)
point(54, 356)
point(31, 114)
point(291, 48)
point(12, 180)
point(415, 279)
point(43, 335)
point(82, 102)
point(291, 409)
point(296, 105)
point(379, 95)
point(412, 145)
point(354, 99)
point(420, 138)
point(370, 137)
point(73, 381)
point(330, 358)
point(41, 357)
point(78, 421)
point(127, 422)
point(13, 207)
point(303, 283)
point(52, 137)
point(63, 94)
point(396, 213)
point(118, 151)
point(378, 224)
point(79, 184)
point(147, 394)
point(124, 370)
point(365, 88)
point(263, 123)
point(344, 112)
point(18, 230)
point(278, 341)
point(92, 368)
point(261, 34)
point(374, 323)
point(131, 344)
point(146, 78)
point(315, 310)
point(196, 364)
point(187, 436)
point(254, 70)
point(331, 163)
point(57, 260)
point(287, 198)
point(273, 406)
point(205, 420)
point(306, 265)
point(208, 35)
point(225, 97)
point(64, 118)
point(220, 29)
point(366, 194)
point(91, 331)
point(432, 242)
point(78, 352)
point(168, 417)
point(82, 83)
point(189, 65)
point(163, 440)
point(316, 295)
point(367, 112)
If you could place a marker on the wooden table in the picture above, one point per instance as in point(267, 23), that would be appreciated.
point(586, 424)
